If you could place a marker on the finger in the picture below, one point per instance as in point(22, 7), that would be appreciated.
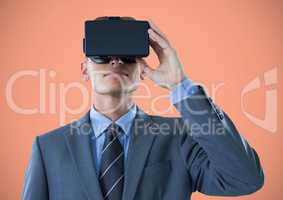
point(158, 39)
point(159, 45)
point(155, 46)
point(148, 72)
point(157, 30)
point(157, 49)
point(143, 64)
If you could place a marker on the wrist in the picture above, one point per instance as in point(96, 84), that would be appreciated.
point(177, 82)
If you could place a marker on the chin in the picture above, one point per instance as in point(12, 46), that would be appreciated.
point(110, 90)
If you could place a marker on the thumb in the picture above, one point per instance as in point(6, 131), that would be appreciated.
point(148, 72)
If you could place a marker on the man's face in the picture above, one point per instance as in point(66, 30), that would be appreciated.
point(112, 78)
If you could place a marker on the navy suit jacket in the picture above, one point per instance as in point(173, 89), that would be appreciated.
point(168, 158)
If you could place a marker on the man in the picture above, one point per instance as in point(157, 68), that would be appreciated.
point(116, 151)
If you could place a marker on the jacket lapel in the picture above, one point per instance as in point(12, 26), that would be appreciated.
point(140, 145)
point(78, 142)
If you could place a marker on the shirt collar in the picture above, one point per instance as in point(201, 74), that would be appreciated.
point(100, 122)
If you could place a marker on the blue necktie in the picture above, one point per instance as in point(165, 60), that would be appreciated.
point(111, 175)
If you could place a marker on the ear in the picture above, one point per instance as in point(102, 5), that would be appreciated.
point(85, 75)
point(141, 72)
point(142, 66)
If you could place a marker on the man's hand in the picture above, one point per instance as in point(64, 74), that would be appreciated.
point(170, 71)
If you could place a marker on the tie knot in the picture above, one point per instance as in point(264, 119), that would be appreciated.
point(114, 130)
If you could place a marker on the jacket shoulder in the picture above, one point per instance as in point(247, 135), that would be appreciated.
point(163, 119)
point(53, 136)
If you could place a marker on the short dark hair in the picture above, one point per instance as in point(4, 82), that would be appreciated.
point(107, 17)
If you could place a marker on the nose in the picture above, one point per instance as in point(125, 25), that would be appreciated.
point(115, 61)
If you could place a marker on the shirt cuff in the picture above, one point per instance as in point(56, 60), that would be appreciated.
point(182, 90)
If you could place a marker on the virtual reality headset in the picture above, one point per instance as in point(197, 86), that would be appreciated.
point(115, 36)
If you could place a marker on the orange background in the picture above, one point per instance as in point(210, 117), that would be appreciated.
point(229, 42)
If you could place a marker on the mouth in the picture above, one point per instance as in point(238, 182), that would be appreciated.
point(116, 73)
